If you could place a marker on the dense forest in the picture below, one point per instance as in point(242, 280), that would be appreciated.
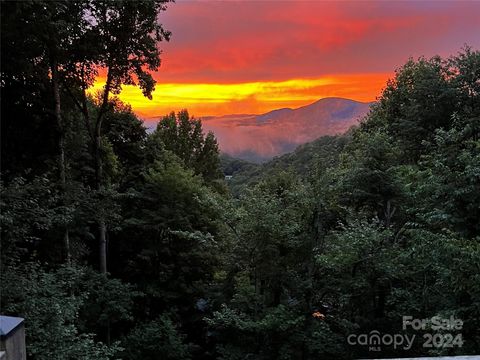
point(122, 244)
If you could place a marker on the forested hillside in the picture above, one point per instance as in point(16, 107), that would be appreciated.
point(305, 161)
point(123, 244)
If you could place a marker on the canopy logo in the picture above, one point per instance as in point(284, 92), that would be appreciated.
point(375, 340)
point(438, 334)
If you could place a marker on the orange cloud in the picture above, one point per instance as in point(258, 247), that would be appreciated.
point(203, 99)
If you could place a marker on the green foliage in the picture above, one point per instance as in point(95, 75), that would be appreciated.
point(358, 265)
point(172, 217)
point(108, 301)
point(184, 137)
point(51, 309)
point(126, 135)
point(30, 204)
point(31, 214)
point(447, 192)
point(176, 189)
point(268, 316)
point(365, 178)
point(418, 100)
point(423, 96)
point(156, 338)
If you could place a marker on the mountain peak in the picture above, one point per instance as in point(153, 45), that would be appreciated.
point(334, 100)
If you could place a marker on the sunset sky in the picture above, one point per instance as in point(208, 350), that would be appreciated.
point(229, 57)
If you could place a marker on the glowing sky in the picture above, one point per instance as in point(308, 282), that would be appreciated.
point(254, 56)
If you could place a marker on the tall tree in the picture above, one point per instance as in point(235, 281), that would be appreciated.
point(183, 135)
point(418, 100)
point(119, 39)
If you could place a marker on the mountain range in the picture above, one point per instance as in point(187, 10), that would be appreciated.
point(259, 138)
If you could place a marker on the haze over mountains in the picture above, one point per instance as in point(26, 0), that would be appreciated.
point(260, 137)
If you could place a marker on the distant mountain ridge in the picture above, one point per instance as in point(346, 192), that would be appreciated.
point(261, 137)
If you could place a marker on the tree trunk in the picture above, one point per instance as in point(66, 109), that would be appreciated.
point(94, 128)
point(103, 245)
point(99, 174)
point(98, 159)
point(61, 149)
point(102, 227)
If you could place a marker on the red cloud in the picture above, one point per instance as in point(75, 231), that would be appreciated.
point(238, 41)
